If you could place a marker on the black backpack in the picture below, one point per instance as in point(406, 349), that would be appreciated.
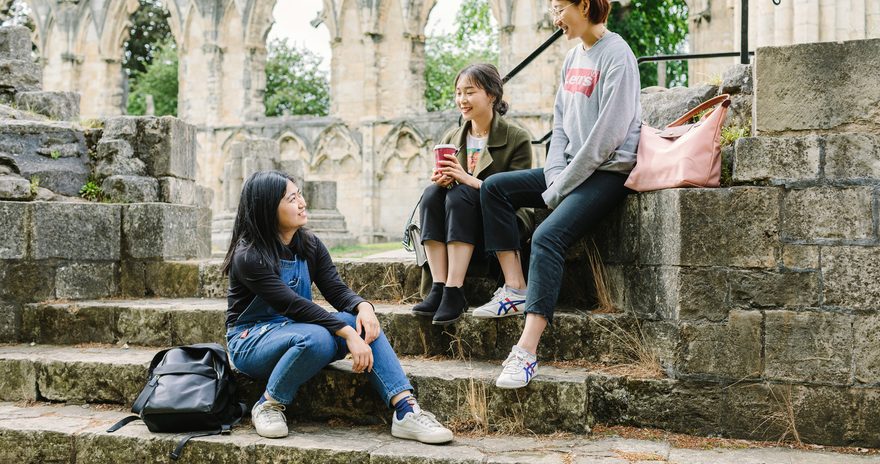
point(190, 389)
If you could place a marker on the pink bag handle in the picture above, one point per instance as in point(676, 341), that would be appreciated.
point(724, 99)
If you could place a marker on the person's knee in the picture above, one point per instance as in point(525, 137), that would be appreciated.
point(461, 196)
point(320, 343)
point(546, 238)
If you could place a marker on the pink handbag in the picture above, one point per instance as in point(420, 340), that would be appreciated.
point(681, 155)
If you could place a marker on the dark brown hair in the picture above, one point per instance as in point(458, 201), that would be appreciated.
point(598, 10)
point(486, 77)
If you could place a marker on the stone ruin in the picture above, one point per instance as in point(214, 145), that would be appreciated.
point(759, 300)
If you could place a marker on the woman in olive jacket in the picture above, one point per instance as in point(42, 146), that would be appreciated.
point(451, 219)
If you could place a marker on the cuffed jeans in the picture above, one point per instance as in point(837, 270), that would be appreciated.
point(575, 217)
point(289, 353)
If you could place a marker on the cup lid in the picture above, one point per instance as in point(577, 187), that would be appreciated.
point(444, 145)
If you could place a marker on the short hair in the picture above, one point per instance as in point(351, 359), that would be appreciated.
point(599, 10)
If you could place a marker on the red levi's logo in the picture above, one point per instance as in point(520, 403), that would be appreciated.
point(581, 80)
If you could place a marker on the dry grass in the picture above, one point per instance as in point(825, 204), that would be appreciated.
point(392, 284)
point(783, 417)
point(604, 303)
point(632, 456)
point(638, 350)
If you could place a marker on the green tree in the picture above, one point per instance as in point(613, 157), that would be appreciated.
point(149, 29)
point(15, 12)
point(159, 80)
point(475, 40)
point(295, 84)
point(654, 27)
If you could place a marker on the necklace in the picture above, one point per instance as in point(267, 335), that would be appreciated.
point(480, 134)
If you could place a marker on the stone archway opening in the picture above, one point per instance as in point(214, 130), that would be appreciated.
point(149, 62)
point(458, 33)
point(298, 61)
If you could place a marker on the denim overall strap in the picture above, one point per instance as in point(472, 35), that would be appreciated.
point(296, 275)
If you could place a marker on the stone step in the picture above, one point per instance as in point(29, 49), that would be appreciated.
point(600, 338)
point(560, 399)
point(76, 434)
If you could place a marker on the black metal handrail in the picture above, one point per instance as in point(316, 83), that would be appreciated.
point(525, 62)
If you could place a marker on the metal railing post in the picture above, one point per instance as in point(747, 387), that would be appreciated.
point(744, 33)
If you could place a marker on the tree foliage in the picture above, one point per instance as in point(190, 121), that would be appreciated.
point(654, 27)
point(15, 13)
point(149, 29)
point(474, 41)
point(159, 79)
point(295, 84)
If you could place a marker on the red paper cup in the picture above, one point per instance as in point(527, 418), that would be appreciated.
point(440, 152)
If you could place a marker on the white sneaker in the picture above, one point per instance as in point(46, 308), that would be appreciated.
point(503, 303)
point(420, 425)
point(519, 367)
point(269, 420)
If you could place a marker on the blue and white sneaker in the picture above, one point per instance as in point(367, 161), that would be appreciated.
point(519, 367)
point(505, 302)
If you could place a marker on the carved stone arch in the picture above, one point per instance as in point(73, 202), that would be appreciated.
point(259, 22)
point(293, 147)
point(403, 150)
point(43, 16)
point(329, 16)
point(236, 136)
point(116, 26)
point(337, 147)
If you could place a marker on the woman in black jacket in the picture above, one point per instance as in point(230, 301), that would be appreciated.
point(274, 330)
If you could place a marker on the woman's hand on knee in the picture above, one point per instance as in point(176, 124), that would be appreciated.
point(367, 323)
point(361, 354)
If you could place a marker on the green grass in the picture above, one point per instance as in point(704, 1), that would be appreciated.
point(359, 251)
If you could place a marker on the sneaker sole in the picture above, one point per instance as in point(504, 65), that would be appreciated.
point(274, 435)
point(496, 316)
point(509, 386)
point(436, 440)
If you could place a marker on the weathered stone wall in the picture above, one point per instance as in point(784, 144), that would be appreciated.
point(773, 279)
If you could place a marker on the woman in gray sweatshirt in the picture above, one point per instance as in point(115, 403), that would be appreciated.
point(596, 123)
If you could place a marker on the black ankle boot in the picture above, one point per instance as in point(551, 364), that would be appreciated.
point(452, 306)
point(429, 305)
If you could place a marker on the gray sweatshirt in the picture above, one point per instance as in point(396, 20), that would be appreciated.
point(597, 116)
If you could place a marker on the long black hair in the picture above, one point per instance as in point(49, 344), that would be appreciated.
point(256, 223)
point(486, 77)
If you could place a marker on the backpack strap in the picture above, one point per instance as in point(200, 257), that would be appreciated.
point(145, 395)
point(122, 423)
point(223, 430)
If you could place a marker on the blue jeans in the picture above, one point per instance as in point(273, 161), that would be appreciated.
point(575, 217)
point(289, 353)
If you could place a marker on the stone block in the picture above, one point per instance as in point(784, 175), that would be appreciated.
point(18, 380)
point(730, 350)
point(737, 79)
point(57, 324)
point(661, 108)
point(773, 289)
point(15, 43)
point(131, 189)
point(144, 327)
point(24, 281)
point(852, 156)
point(54, 152)
point(198, 327)
point(160, 230)
point(808, 347)
point(866, 422)
point(80, 281)
point(14, 187)
point(320, 194)
point(61, 106)
point(132, 278)
point(122, 127)
point(15, 218)
point(865, 349)
point(800, 257)
point(851, 277)
point(828, 213)
point(80, 382)
point(180, 192)
point(739, 113)
point(777, 159)
point(21, 75)
point(77, 231)
point(700, 293)
point(35, 446)
point(212, 282)
point(168, 147)
point(172, 280)
point(115, 157)
point(710, 227)
point(10, 322)
point(811, 86)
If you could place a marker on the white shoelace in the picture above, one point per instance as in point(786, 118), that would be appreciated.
point(274, 412)
point(514, 363)
point(427, 419)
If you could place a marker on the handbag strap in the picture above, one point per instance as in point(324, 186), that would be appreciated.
point(406, 240)
point(724, 99)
